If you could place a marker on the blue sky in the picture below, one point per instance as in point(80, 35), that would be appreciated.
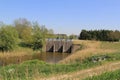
point(64, 16)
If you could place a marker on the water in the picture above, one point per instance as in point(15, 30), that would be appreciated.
point(47, 57)
point(53, 57)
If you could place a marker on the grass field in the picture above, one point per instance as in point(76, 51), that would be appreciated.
point(29, 69)
point(92, 48)
point(78, 61)
point(35, 69)
point(113, 75)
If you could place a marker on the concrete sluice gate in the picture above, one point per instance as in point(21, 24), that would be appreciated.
point(61, 46)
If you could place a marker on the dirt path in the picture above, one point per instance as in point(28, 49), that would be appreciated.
point(79, 75)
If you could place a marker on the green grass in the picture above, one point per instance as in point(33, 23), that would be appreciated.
point(104, 57)
point(32, 68)
point(113, 75)
point(110, 45)
point(29, 69)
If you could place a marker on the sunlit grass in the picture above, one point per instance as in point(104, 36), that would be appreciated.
point(38, 70)
point(17, 56)
point(18, 52)
point(92, 48)
point(30, 69)
point(35, 70)
point(113, 75)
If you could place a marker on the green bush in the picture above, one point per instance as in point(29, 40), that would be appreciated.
point(8, 38)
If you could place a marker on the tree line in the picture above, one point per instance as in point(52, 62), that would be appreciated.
point(101, 35)
point(23, 33)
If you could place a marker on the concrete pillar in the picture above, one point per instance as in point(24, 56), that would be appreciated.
point(63, 47)
point(54, 48)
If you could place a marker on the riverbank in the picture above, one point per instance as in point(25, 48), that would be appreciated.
point(36, 69)
point(93, 54)
point(91, 48)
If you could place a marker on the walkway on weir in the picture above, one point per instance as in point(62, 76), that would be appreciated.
point(59, 45)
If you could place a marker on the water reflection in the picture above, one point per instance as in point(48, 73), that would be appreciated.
point(47, 57)
point(53, 57)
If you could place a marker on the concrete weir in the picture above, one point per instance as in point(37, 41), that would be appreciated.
point(61, 46)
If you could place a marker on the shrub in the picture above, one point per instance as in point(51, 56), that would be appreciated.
point(8, 38)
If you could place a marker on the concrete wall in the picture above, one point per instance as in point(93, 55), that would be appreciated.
point(61, 46)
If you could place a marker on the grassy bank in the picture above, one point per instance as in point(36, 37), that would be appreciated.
point(93, 53)
point(29, 70)
point(92, 48)
point(113, 75)
point(17, 56)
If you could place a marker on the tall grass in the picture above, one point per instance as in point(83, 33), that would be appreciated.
point(92, 48)
point(113, 75)
point(17, 56)
point(29, 70)
point(18, 52)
